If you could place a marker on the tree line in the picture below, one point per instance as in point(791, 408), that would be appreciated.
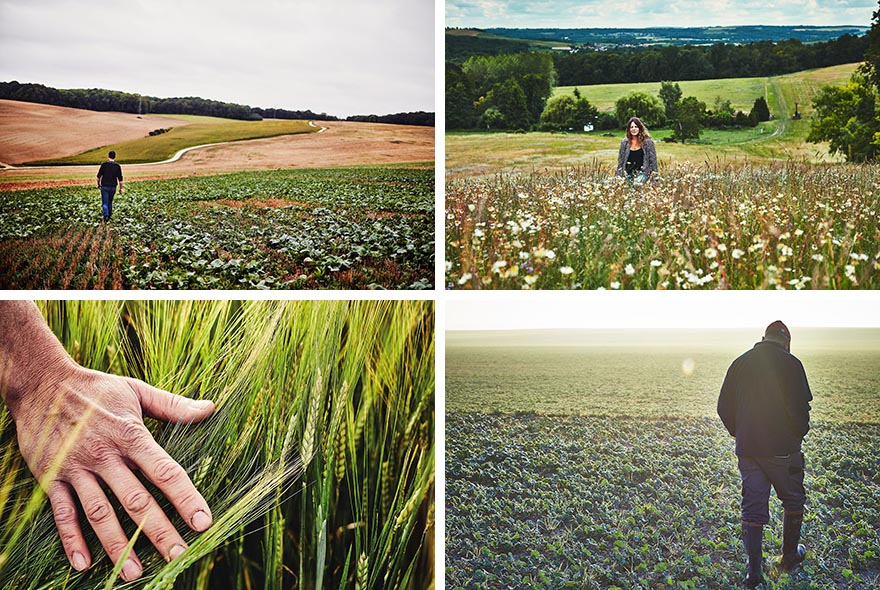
point(721, 60)
point(95, 99)
point(654, 64)
point(421, 118)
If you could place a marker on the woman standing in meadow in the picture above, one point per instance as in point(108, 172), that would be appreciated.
point(637, 158)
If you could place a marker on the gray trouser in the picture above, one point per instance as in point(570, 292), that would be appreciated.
point(786, 474)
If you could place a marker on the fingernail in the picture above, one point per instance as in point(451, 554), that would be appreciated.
point(176, 552)
point(130, 570)
point(201, 520)
point(79, 562)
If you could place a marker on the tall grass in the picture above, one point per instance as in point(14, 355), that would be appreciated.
point(318, 464)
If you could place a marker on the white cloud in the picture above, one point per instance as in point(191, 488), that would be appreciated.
point(339, 56)
point(650, 13)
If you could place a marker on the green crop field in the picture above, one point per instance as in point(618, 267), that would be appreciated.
point(351, 228)
point(318, 463)
point(201, 131)
point(603, 464)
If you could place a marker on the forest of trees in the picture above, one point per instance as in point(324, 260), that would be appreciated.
point(123, 102)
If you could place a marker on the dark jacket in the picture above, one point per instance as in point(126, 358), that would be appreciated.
point(649, 162)
point(109, 173)
point(765, 401)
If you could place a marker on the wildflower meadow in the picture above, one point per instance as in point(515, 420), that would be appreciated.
point(786, 225)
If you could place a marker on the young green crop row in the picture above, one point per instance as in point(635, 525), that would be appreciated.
point(787, 226)
point(330, 228)
point(318, 464)
point(606, 502)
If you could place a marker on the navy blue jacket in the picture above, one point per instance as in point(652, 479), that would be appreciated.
point(765, 401)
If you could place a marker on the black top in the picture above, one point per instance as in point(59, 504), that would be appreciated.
point(109, 172)
point(765, 401)
point(635, 160)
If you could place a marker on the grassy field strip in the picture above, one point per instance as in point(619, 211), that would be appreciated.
point(161, 147)
point(741, 92)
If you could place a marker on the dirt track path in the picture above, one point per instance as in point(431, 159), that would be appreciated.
point(341, 143)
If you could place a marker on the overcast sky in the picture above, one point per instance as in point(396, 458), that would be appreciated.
point(342, 57)
point(652, 13)
point(654, 309)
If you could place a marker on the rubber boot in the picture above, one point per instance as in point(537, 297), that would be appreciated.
point(753, 535)
point(793, 553)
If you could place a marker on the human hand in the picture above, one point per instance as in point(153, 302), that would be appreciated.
point(81, 429)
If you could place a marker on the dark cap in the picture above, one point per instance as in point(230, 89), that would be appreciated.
point(778, 330)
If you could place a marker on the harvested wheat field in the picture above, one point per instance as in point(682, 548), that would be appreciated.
point(31, 132)
point(34, 132)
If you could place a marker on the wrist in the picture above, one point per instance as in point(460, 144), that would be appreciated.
point(39, 382)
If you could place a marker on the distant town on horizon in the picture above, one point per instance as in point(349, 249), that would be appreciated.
point(644, 36)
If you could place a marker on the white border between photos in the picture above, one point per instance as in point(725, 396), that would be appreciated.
point(439, 294)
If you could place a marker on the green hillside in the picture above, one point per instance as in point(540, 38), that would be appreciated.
point(201, 131)
point(781, 138)
point(741, 92)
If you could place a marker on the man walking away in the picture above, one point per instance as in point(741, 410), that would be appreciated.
point(108, 174)
point(765, 403)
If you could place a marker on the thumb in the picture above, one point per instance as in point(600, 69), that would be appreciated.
point(162, 405)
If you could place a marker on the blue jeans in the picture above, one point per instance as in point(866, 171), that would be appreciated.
point(785, 474)
point(107, 193)
point(637, 178)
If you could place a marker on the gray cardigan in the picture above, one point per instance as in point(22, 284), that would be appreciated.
point(649, 163)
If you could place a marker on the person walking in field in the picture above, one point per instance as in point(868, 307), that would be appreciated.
point(765, 403)
point(637, 158)
point(108, 174)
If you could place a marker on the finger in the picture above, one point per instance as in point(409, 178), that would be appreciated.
point(160, 404)
point(67, 522)
point(103, 519)
point(172, 479)
point(144, 511)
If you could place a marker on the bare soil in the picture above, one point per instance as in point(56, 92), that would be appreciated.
point(343, 143)
point(31, 132)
